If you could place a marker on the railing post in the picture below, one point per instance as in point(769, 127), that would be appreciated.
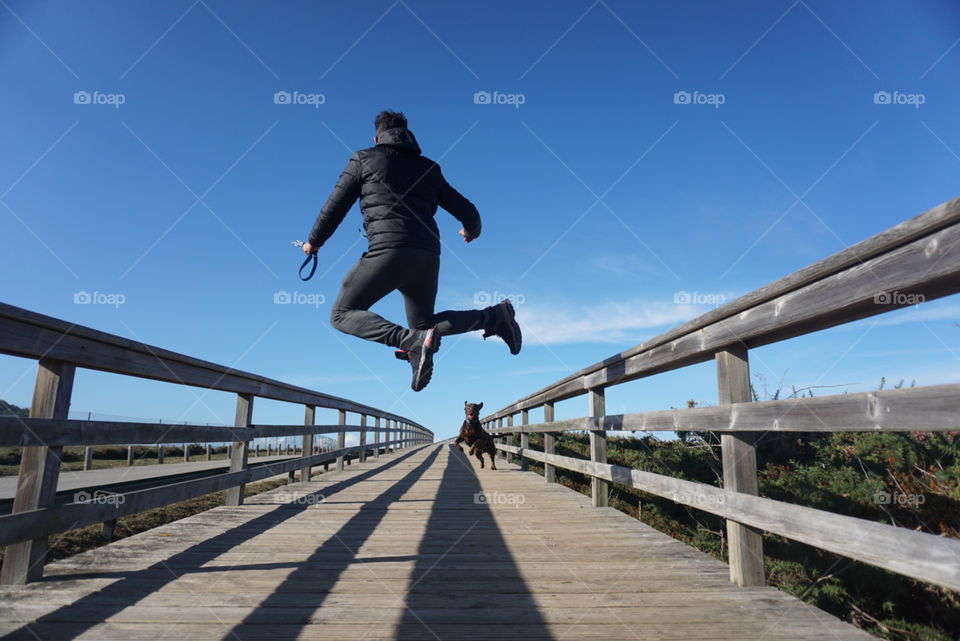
point(309, 418)
point(501, 439)
point(376, 437)
point(88, 458)
point(186, 452)
point(598, 447)
point(39, 470)
point(341, 438)
point(739, 456)
point(524, 439)
point(129, 455)
point(160, 455)
point(549, 445)
point(238, 455)
point(209, 452)
point(363, 438)
point(512, 438)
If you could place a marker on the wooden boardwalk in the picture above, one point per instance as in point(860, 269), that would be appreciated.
point(414, 545)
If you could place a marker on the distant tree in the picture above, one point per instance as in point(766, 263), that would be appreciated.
point(9, 409)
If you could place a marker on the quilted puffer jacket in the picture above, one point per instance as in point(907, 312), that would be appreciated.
point(399, 191)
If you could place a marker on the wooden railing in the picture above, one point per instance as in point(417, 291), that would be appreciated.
point(61, 347)
point(918, 259)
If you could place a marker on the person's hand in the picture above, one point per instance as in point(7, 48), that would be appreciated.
point(466, 237)
point(309, 249)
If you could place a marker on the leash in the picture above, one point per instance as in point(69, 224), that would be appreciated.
point(310, 258)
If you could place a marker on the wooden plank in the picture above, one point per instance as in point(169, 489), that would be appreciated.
point(39, 470)
point(238, 455)
point(915, 554)
point(549, 444)
point(912, 258)
point(306, 451)
point(600, 489)
point(341, 438)
point(26, 333)
point(739, 458)
point(524, 439)
point(934, 408)
point(363, 438)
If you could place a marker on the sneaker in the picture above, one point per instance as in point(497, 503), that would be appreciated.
point(503, 324)
point(420, 355)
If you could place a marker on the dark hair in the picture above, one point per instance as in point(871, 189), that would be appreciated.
point(389, 120)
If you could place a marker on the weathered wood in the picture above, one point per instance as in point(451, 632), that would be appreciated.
point(914, 257)
point(341, 438)
point(934, 408)
point(549, 444)
point(600, 489)
point(238, 456)
point(26, 333)
point(21, 526)
point(363, 438)
point(915, 554)
point(376, 437)
point(130, 455)
point(524, 439)
point(88, 458)
point(739, 458)
point(39, 471)
point(309, 417)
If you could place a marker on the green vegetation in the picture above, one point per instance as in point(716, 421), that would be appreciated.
point(907, 479)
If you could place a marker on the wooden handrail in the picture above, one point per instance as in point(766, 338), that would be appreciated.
point(915, 261)
point(61, 347)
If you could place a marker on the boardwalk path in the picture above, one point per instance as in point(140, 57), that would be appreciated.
point(401, 549)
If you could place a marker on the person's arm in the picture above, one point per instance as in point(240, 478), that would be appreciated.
point(345, 193)
point(462, 209)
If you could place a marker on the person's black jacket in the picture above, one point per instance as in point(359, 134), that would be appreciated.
point(399, 191)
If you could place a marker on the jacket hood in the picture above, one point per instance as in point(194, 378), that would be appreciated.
point(399, 138)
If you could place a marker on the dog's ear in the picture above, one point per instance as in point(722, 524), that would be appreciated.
point(479, 407)
point(465, 403)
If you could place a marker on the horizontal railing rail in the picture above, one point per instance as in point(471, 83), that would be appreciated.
point(61, 347)
point(915, 261)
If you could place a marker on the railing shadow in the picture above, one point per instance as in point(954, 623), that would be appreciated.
point(463, 563)
point(73, 620)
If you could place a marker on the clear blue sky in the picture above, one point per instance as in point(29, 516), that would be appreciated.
point(184, 198)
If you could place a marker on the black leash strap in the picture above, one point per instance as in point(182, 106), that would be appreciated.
point(313, 267)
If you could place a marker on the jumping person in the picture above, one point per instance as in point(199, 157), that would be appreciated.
point(399, 191)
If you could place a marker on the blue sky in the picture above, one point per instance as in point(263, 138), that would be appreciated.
point(657, 148)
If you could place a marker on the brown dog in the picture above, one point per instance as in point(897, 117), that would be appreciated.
point(475, 436)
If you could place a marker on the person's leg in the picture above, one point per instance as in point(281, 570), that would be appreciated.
point(419, 289)
point(374, 276)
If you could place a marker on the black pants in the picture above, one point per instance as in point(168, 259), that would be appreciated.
point(414, 273)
